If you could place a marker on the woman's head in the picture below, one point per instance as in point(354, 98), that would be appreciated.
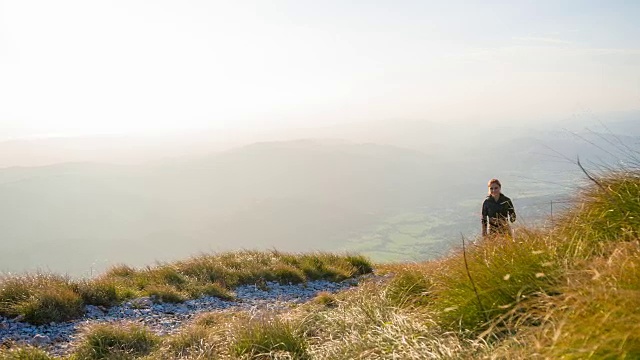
point(494, 187)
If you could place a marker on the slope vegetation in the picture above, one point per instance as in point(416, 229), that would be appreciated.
point(571, 291)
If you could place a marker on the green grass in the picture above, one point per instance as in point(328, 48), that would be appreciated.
point(216, 319)
point(570, 292)
point(288, 274)
point(212, 289)
point(51, 305)
point(40, 299)
point(325, 298)
point(193, 342)
point(116, 341)
point(165, 294)
point(45, 298)
point(504, 271)
point(368, 324)
point(25, 353)
point(602, 214)
point(408, 288)
point(266, 338)
point(102, 292)
point(598, 312)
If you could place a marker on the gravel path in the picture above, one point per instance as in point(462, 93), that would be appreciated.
point(163, 318)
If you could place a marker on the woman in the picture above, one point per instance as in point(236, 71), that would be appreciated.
point(497, 210)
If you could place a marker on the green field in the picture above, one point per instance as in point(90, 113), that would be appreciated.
point(409, 236)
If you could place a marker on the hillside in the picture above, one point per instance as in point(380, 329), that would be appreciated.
point(387, 202)
point(570, 291)
point(293, 196)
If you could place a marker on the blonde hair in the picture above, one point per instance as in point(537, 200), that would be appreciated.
point(493, 181)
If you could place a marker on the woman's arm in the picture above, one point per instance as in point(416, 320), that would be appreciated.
point(512, 211)
point(485, 214)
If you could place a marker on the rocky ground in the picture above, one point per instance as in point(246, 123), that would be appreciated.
point(162, 318)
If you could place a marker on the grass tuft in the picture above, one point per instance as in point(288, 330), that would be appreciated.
point(261, 339)
point(505, 271)
point(101, 292)
point(366, 324)
point(326, 298)
point(51, 305)
point(408, 287)
point(599, 310)
point(211, 319)
point(116, 341)
point(168, 275)
point(602, 213)
point(192, 342)
point(569, 292)
point(213, 289)
point(165, 294)
point(43, 298)
point(287, 274)
point(13, 291)
point(360, 263)
point(120, 271)
point(24, 353)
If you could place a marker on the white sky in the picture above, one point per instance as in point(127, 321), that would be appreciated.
point(87, 67)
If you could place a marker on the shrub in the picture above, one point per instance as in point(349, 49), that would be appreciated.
point(109, 341)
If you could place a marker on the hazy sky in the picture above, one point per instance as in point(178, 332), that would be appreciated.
point(86, 67)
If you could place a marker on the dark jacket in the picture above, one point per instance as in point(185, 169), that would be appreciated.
point(497, 212)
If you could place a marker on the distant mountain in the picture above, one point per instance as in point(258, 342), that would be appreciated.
point(120, 149)
point(312, 194)
point(434, 138)
point(293, 195)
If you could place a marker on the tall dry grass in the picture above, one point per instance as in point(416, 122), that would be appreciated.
point(45, 298)
point(571, 292)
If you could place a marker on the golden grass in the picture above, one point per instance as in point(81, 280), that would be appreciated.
point(24, 353)
point(572, 292)
point(115, 341)
point(44, 298)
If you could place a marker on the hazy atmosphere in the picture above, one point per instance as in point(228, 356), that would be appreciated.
point(135, 131)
